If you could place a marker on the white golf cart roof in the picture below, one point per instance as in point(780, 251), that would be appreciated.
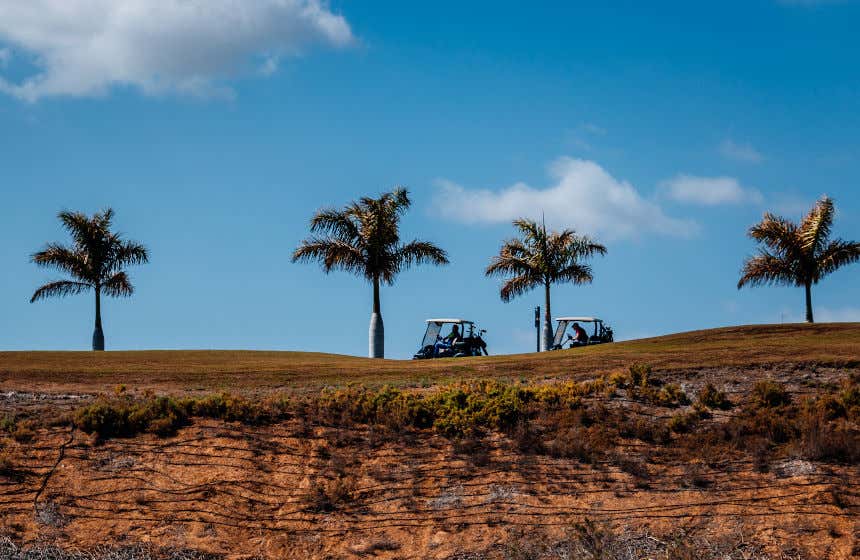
point(580, 319)
point(459, 321)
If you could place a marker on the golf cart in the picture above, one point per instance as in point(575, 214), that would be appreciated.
point(601, 333)
point(438, 343)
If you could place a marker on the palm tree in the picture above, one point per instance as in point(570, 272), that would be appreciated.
point(541, 258)
point(798, 254)
point(95, 262)
point(364, 238)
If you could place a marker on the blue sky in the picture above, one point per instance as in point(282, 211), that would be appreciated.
point(664, 130)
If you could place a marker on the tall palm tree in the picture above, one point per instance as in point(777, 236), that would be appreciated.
point(364, 238)
point(798, 254)
point(95, 262)
point(541, 258)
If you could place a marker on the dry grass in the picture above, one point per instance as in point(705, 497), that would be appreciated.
point(256, 372)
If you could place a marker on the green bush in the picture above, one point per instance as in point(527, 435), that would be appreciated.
point(640, 374)
point(713, 398)
point(125, 417)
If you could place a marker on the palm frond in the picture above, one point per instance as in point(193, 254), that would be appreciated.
point(507, 263)
point(79, 226)
point(125, 253)
point(529, 229)
point(338, 223)
point(60, 288)
point(583, 247)
point(835, 255)
point(575, 273)
point(400, 201)
point(517, 286)
point(118, 285)
point(815, 228)
point(778, 234)
point(767, 268)
point(332, 254)
point(419, 252)
point(64, 259)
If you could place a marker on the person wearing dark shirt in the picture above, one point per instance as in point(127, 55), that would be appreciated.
point(579, 335)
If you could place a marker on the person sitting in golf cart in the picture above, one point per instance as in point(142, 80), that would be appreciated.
point(579, 335)
point(447, 342)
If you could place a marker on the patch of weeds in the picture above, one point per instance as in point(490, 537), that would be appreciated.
point(684, 422)
point(639, 375)
point(713, 398)
point(770, 394)
point(821, 440)
point(328, 495)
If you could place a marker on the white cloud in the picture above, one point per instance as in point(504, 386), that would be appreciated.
point(583, 196)
point(84, 47)
point(744, 153)
point(708, 191)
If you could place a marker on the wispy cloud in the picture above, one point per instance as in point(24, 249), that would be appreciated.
point(791, 205)
point(5, 57)
point(582, 136)
point(744, 153)
point(708, 191)
point(823, 315)
point(841, 315)
point(582, 195)
point(85, 47)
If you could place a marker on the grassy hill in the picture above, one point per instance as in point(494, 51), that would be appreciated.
point(206, 370)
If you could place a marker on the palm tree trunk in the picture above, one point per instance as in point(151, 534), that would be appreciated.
point(547, 320)
point(376, 334)
point(809, 318)
point(98, 334)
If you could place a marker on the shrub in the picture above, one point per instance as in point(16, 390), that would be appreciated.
point(821, 440)
point(713, 398)
point(774, 426)
point(124, 417)
point(7, 424)
point(684, 422)
point(639, 375)
point(585, 444)
point(769, 393)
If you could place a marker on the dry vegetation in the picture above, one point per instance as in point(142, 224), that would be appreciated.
point(755, 456)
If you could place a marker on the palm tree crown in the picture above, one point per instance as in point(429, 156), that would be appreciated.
point(364, 238)
point(541, 258)
point(95, 262)
point(797, 254)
